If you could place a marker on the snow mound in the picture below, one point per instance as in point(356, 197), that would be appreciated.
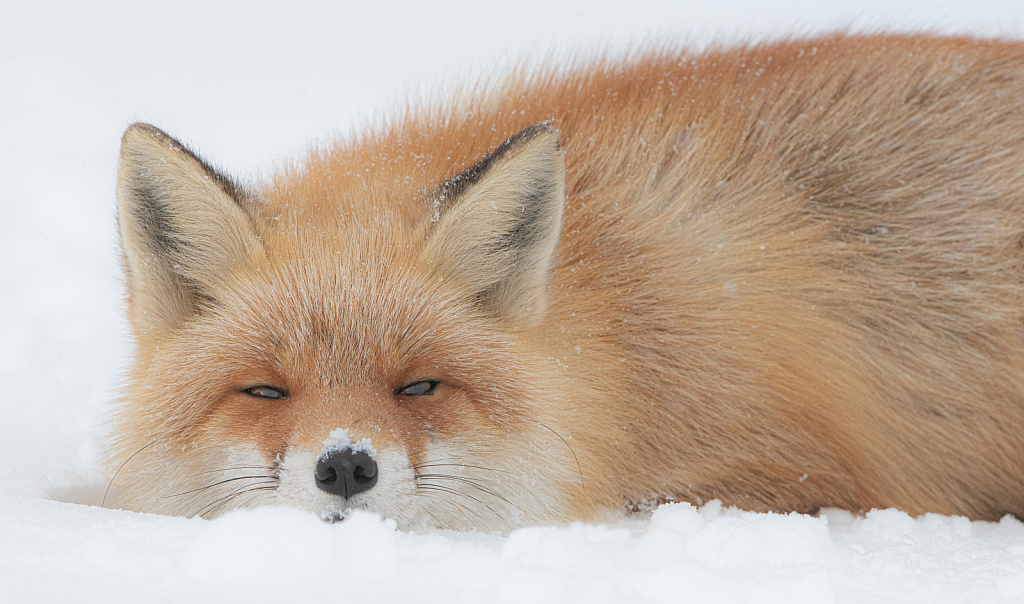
point(58, 552)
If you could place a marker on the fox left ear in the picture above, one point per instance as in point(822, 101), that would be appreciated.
point(499, 221)
point(184, 228)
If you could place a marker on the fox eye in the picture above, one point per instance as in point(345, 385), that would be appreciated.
point(265, 392)
point(420, 388)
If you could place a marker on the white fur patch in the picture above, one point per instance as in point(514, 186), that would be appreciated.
point(391, 497)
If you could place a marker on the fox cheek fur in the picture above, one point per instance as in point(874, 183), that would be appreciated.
point(780, 278)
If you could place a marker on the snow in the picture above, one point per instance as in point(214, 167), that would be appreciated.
point(250, 84)
point(51, 550)
point(340, 439)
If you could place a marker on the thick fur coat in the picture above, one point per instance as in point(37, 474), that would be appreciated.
point(785, 276)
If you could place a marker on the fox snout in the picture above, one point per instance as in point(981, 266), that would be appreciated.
point(345, 472)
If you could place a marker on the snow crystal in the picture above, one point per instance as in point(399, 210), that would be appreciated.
point(341, 439)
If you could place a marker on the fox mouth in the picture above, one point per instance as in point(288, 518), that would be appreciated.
point(332, 516)
point(341, 509)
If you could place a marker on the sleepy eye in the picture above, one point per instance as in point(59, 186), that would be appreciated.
point(266, 392)
point(420, 388)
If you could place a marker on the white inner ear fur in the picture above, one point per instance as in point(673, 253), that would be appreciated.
point(499, 235)
point(181, 230)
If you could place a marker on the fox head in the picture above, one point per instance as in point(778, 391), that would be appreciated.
point(342, 338)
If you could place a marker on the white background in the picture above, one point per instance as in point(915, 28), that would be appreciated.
point(249, 84)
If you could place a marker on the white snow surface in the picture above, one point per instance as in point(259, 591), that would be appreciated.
point(252, 83)
point(51, 550)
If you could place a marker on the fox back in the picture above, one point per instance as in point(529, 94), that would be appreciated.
point(786, 276)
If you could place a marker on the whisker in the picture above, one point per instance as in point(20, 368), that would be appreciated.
point(445, 489)
point(216, 506)
point(454, 504)
point(578, 466)
point(250, 490)
point(209, 508)
point(272, 467)
point(454, 491)
point(253, 499)
point(121, 467)
point(431, 464)
point(468, 481)
point(210, 486)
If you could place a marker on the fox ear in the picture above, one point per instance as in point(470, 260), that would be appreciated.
point(499, 221)
point(183, 228)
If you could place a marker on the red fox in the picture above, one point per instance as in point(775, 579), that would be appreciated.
point(786, 276)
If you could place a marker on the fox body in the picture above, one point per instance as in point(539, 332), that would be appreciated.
point(785, 276)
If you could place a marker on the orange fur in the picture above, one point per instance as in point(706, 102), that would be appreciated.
point(789, 276)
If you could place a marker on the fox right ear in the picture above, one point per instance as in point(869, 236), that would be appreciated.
point(497, 224)
point(183, 228)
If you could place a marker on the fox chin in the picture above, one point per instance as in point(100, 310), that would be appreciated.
point(786, 276)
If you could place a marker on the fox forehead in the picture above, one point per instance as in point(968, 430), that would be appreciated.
point(343, 274)
point(365, 323)
point(378, 186)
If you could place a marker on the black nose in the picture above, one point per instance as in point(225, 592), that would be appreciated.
point(345, 472)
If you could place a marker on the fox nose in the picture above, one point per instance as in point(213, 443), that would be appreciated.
point(345, 472)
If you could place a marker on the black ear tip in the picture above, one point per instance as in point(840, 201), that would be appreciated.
point(542, 127)
point(141, 129)
point(531, 133)
point(141, 132)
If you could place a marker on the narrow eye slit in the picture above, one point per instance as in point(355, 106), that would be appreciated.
point(420, 388)
point(266, 392)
